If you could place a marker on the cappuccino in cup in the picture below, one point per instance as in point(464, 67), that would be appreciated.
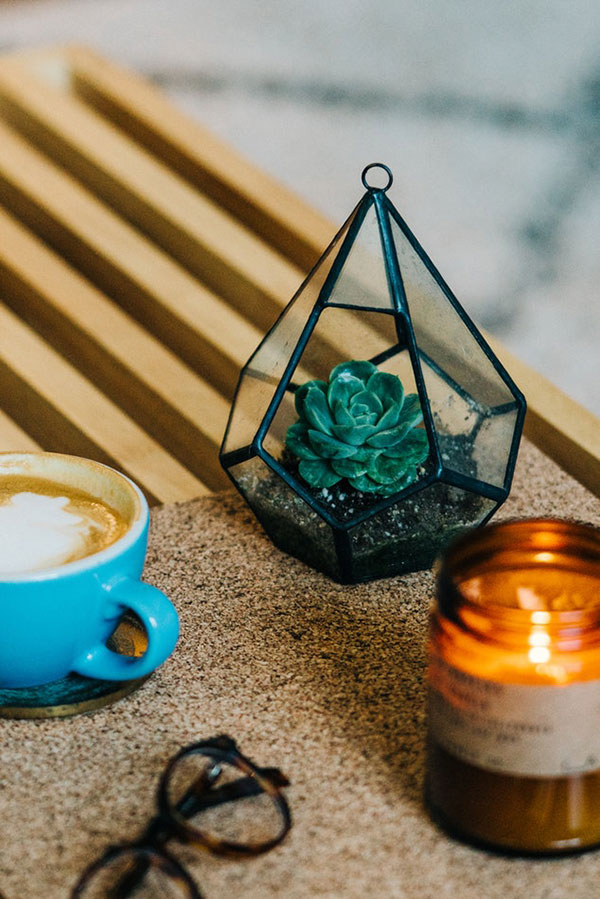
point(45, 524)
point(73, 536)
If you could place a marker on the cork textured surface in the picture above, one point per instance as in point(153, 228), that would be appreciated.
point(322, 680)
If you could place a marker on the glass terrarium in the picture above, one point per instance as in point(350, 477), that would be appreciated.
point(373, 423)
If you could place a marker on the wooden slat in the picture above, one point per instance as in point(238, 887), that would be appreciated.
point(66, 413)
point(561, 427)
point(182, 312)
point(205, 239)
point(204, 330)
point(13, 438)
point(213, 167)
point(169, 400)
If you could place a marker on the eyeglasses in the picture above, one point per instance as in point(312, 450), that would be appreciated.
point(210, 796)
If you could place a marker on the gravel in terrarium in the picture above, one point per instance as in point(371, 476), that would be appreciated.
point(289, 521)
point(406, 536)
point(410, 534)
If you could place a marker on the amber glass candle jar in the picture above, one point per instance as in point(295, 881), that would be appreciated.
point(514, 688)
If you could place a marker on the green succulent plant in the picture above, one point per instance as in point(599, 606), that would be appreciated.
point(359, 426)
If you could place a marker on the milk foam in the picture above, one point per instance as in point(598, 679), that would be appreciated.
point(38, 532)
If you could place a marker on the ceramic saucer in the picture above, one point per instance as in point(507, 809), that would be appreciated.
point(75, 694)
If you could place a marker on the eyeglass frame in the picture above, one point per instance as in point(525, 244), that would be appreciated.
point(164, 825)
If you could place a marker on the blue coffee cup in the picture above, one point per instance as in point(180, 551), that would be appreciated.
point(56, 620)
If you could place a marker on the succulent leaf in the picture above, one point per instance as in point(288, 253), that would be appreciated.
point(328, 447)
point(417, 441)
point(359, 426)
point(391, 437)
point(387, 471)
point(302, 391)
point(367, 401)
point(348, 468)
point(355, 434)
point(343, 389)
point(364, 484)
point(361, 370)
point(389, 419)
point(316, 410)
point(362, 453)
point(387, 387)
point(342, 415)
point(412, 413)
point(318, 474)
point(297, 442)
point(415, 447)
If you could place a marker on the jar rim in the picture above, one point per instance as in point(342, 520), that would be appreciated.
point(514, 544)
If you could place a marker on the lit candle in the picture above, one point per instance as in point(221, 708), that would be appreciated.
point(514, 687)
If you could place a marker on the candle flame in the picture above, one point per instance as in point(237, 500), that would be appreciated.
point(545, 558)
point(539, 637)
point(539, 655)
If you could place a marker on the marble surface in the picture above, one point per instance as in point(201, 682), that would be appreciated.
point(488, 114)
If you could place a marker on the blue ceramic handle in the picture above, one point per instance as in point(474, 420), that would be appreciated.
point(162, 628)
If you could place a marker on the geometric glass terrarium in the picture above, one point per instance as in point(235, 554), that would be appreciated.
point(373, 423)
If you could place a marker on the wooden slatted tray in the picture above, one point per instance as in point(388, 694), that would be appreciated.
point(141, 260)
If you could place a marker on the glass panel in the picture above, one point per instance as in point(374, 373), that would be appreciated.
point(348, 334)
point(454, 412)
point(351, 334)
point(409, 535)
point(442, 334)
point(274, 440)
point(349, 467)
point(265, 368)
point(288, 520)
point(492, 446)
point(363, 280)
point(473, 439)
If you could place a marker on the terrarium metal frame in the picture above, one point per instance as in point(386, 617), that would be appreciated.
point(435, 470)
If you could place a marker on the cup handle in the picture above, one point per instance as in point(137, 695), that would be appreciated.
point(160, 620)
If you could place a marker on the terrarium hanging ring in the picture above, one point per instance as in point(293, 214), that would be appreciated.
point(377, 165)
point(373, 422)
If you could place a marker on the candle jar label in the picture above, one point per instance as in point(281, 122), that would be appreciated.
point(520, 729)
